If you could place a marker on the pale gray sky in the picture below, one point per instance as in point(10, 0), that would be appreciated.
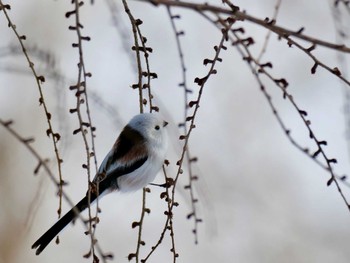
point(261, 199)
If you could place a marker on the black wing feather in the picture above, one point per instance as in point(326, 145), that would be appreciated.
point(110, 181)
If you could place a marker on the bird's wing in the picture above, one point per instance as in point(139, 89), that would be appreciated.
point(128, 153)
point(110, 180)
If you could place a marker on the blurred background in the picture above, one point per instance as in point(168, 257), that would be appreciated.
point(260, 198)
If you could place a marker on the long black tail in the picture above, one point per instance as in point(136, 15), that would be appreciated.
point(50, 234)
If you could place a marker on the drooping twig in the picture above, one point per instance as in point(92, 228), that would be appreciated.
point(195, 104)
point(138, 53)
point(168, 225)
point(189, 159)
point(40, 79)
point(140, 47)
point(42, 164)
point(282, 84)
point(81, 94)
point(341, 24)
point(268, 34)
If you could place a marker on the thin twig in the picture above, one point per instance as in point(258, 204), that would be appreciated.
point(191, 119)
point(82, 98)
point(168, 225)
point(302, 113)
point(190, 160)
point(55, 136)
point(268, 35)
point(138, 55)
point(42, 163)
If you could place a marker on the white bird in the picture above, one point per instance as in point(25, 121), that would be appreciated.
point(133, 162)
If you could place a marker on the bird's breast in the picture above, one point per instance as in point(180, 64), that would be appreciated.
point(141, 177)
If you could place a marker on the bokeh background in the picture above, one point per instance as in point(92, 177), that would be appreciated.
point(261, 199)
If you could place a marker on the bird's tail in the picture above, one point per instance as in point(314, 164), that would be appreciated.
point(50, 234)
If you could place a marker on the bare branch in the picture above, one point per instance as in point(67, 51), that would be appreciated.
point(242, 16)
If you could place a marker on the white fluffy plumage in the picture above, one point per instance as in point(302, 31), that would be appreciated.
point(144, 138)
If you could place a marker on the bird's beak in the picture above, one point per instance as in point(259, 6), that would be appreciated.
point(165, 123)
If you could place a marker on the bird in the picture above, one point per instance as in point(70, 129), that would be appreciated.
point(133, 162)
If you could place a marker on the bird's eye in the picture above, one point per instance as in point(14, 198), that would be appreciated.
point(157, 127)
